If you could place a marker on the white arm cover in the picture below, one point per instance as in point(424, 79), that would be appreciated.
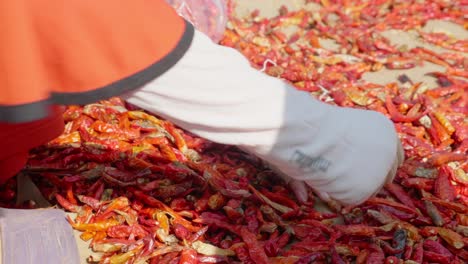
point(344, 154)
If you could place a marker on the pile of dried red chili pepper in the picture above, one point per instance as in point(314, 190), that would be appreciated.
point(144, 191)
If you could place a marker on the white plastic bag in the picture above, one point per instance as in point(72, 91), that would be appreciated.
point(208, 16)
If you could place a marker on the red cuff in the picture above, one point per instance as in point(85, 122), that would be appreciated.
point(12, 165)
point(17, 139)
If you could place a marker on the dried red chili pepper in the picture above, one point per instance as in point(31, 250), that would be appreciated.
point(399, 241)
point(188, 256)
point(435, 257)
point(256, 252)
point(376, 256)
point(356, 230)
point(311, 246)
point(434, 213)
point(280, 198)
point(94, 203)
point(419, 183)
point(388, 249)
point(382, 201)
point(216, 201)
point(274, 245)
point(418, 253)
point(400, 194)
point(335, 257)
point(400, 65)
point(397, 116)
point(450, 205)
point(451, 237)
point(438, 159)
point(67, 205)
point(442, 187)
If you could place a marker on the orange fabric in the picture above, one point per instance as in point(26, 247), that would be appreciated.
point(79, 45)
point(17, 139)
point(69, 47)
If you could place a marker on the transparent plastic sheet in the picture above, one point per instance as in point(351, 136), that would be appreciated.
point(37, 236)
point(208, 16)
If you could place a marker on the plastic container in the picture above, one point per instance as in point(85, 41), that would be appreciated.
point(208, 16)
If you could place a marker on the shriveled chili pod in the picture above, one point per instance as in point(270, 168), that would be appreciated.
point(451, 237)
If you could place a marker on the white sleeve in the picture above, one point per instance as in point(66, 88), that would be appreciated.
point(213, 92)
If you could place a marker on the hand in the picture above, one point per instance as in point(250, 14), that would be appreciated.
point(366, 158)
point(300, 188)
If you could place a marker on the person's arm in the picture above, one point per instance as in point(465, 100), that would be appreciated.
point(344, 154)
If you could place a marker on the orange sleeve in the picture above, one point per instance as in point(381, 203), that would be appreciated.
point(81, 51)
point(76, 52)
